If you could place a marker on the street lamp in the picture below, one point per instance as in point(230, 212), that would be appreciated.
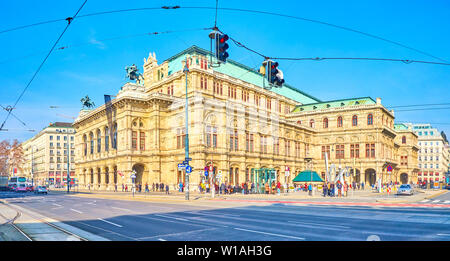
point(308, 160)
point(32, 165)
point(186, 70)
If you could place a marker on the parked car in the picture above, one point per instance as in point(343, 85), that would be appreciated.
point(21, 188)
point(405, 189)
point(30, 188)
point(41, 189)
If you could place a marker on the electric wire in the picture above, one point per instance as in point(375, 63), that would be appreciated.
point(240, 10)
point(69, 19)
point(64, 47)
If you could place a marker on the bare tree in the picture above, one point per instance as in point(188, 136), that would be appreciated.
point(11, 156)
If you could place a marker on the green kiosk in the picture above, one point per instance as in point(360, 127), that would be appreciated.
point(261, 176)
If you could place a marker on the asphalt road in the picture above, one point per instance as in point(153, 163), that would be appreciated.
point(239, 221)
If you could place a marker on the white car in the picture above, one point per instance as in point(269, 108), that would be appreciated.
point(40, 189)
point(405, 189)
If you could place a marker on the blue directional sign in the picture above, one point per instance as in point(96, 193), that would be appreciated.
point(181, 166)
point(188, 169)
point(206, 173)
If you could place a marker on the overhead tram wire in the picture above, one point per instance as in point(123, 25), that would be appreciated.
point(242, 10)
point(418, 105)
point(69, 20)
point(64, 47)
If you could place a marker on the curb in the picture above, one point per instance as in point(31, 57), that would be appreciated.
point(437, 194)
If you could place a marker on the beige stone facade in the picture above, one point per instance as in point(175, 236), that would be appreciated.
point(235, 124)
point(47, 153)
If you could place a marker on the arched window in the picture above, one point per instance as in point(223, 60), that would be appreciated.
point(339, 121)
point(99, 141)
point(325, 123)
point(114, 141)
point(106, 138)
point(355, 120)
point(370, 119)
point(311, 123)
point(91, 139)
point(85, 144)
point(404, 140)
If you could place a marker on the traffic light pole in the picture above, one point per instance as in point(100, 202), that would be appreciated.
point(186, 70)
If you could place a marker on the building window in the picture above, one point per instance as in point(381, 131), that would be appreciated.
point(114, 144)
point(325, 123)
point(326, 149)
point(134, 140)
point(297, 149)
point(340, 151)
point(404, 140)
point(370, 119)
point(276, 146)
point(355, 120)
point(99, 141)
point(106, 138)
point(181, 138)
point(234, 142)
point(370, 150)
point(142, 140)
point(339, 121)
point(170, 90)
point(91, 136)
point(311, 123)
point(287, 147)
point(269, 104)
point(256, 98)
point(354, 151)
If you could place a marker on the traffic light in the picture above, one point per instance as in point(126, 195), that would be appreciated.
point(275, 75)
point(221, 47)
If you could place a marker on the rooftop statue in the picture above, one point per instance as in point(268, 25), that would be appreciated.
point(86, 102)
point(132, 74)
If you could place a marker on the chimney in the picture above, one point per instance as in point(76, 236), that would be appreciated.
point(379, 101)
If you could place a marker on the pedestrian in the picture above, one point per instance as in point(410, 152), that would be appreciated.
point(126, 188)
point(157, 186)
point(146, 187)
point(161, 187)
point(115, 187)
point(345, 189)
point(325, 190)
point(123, 187)
point(362, 185)
point(167, 189)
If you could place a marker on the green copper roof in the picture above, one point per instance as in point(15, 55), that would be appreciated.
point(240, 71)
point(334, 104)
point(400, 126)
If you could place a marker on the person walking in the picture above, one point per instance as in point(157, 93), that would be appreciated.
point(146, 188)
point(167, 189)
point(115, 187)
point(123, 187)
point(325, 190)
point(126, 188)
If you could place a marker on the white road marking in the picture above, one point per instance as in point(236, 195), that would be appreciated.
point(121, 209)
point(74, 210)
point(426, 200)
point(447, 201)
point(160, 239)
point(270, 234)
point(114, 224)
point(436, 201)
point(177, 218)
point(444, 235)
point(319, 225)
point(54, 204)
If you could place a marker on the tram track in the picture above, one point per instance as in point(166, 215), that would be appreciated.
point(29, 236)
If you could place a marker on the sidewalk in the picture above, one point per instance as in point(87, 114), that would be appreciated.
point(179, 197)
point(36, 227)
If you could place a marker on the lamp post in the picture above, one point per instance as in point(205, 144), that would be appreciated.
point(308, 160)
point(186, 70)
point(32, 165)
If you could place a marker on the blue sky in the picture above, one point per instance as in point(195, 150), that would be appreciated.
point(94, 66)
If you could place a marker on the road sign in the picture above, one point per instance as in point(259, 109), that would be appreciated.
point(181, 166)
point(389, 168)
point(206, 173)
point(188, 169)
point(133, 175)
point(188, 159)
